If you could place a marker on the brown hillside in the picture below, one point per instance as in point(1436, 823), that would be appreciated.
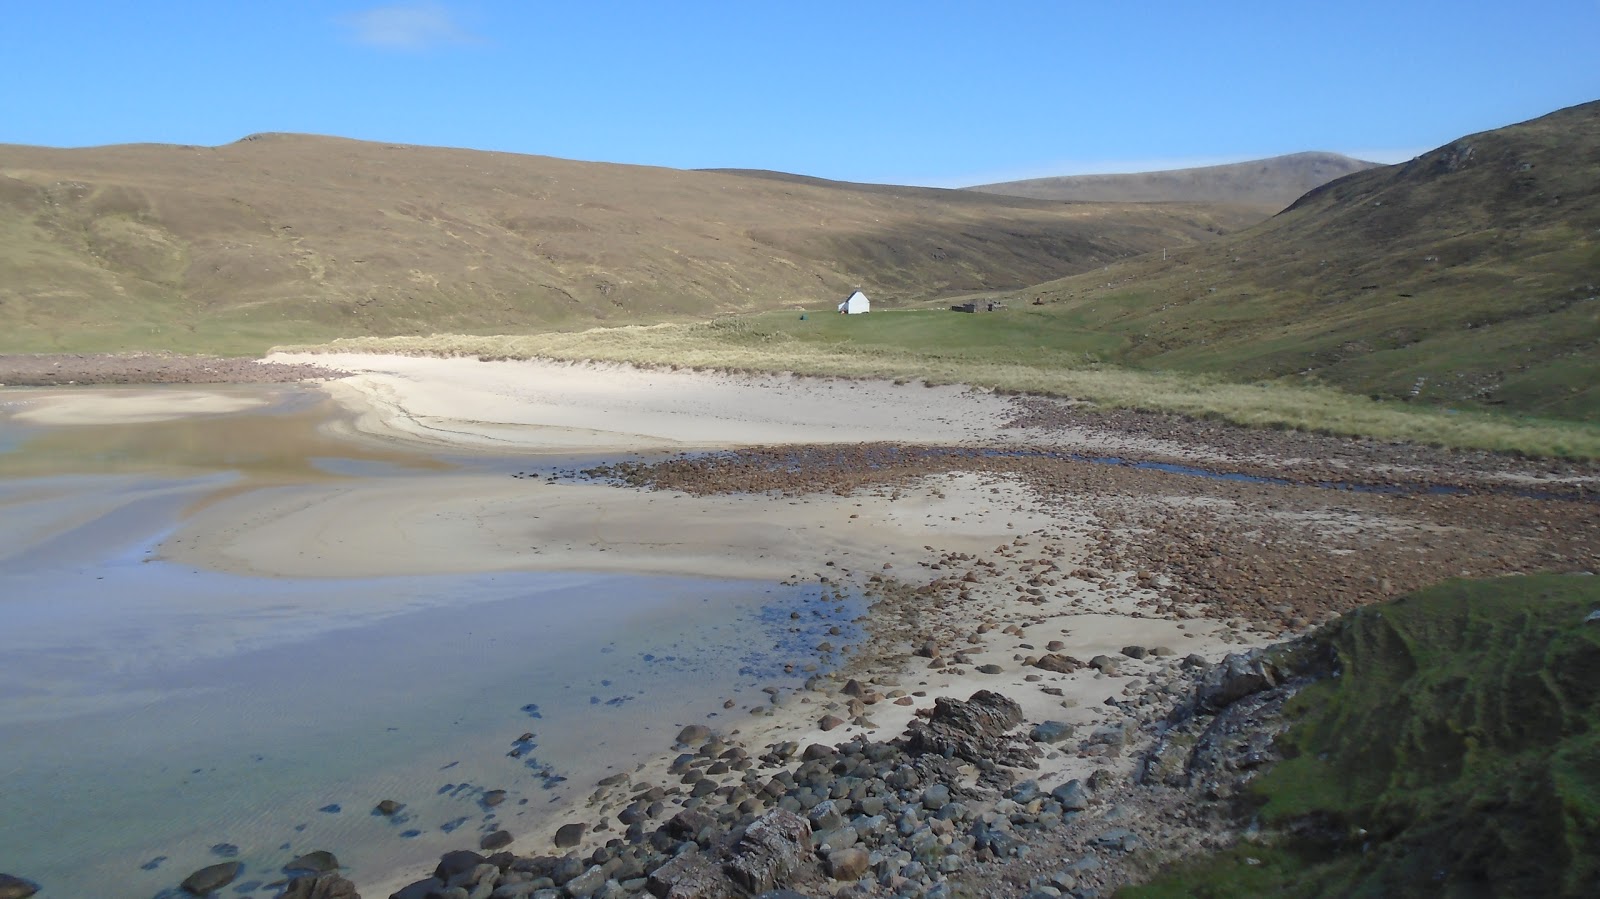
point(288, 237)
point(1266, 184)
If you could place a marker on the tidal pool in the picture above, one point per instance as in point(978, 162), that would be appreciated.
point(155, 718)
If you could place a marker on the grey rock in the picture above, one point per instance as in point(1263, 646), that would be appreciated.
point(694, 734)
point(319, 861)
point(692, 876)
point(500, 839)
point(990, 669)
point(321, 886)
point(1134, 652)
point(455, 863)
point(586, 884)
point(936, 797)
point(211, 878)
point(1104, 664)
point(774, 846)
point(1238, 676)
point(848, 864)
point(389, 807)
point(1119, 839)
point(570, 835)
point(1050, 732)
point(494, 798)
point(421, 889)
point(13, 887)
point(1072, 796)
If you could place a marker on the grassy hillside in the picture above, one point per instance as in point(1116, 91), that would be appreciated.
point(1265, 184)
point(1458, 754)
point(1468, 277)
point(295, 237)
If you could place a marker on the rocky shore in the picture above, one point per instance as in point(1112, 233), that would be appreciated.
point(954, 806)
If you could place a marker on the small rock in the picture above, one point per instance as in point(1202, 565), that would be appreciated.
point(1058, 663)
point(694, 734)
point(12, 887)
point(936, 797)
point(570, 835)
point(1050, 732)
point(500, 839)
point(494, 798)
point(990, 669)
point(321, 886)
point(211, 878)
point(848, 864)
point(829, 722)
point(1072, 796)
point(319, 861)
point(1134, 652)
point(389, 807)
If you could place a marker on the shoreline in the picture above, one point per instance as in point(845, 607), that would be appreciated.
point(982, 566)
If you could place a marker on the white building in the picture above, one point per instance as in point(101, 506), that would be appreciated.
point(856, 303)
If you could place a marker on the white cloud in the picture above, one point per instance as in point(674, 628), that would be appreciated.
point(408, 26)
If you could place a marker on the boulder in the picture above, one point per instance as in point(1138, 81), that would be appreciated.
point(1050, 732)
point(773, 847)
point(1072, 796)
point(457, 862)
point(1237, 676)
point(1061, 664)
point(694, 734)
point(321, 886)
point(570, 835)
point(209, 879)
point(691, 876)
point(421, 889)
point(319, 861)
point(848, 864)
point(12, 887)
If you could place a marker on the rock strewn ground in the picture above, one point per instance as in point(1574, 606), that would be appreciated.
point(1276, 556)
point(57, 369)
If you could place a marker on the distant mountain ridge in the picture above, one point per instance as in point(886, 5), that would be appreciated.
point(1270, 184)
point(285, 238)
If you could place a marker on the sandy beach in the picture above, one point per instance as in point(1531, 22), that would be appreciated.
point(980, 564)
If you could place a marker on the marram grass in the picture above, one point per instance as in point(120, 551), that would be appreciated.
point(733, 345)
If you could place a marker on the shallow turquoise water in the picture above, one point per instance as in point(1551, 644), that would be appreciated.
point(150, 712)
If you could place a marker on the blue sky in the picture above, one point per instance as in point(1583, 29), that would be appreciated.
point(930, 92)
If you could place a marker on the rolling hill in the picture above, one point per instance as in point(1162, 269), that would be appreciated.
point(1265, 184)
point(283, 237)
point(1467, 276)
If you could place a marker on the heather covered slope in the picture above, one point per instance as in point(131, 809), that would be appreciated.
point(1456, 754)
point(293, 237)
point(1468, 276)
point(1265, 184)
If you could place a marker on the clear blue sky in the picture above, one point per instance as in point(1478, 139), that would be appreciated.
point(930, 92)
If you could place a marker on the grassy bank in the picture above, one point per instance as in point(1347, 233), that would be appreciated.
point(1458, 754)
point(1020, 351)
